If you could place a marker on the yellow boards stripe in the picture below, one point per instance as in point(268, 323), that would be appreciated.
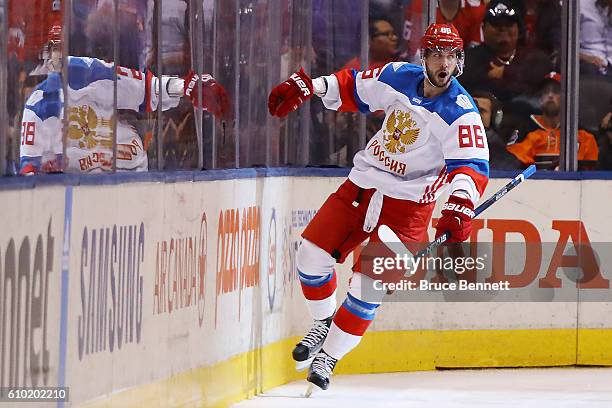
point(256, 371)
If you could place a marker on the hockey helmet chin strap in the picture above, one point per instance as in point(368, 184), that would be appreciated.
point(54, 62)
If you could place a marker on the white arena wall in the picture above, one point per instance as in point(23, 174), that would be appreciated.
point(163, 291)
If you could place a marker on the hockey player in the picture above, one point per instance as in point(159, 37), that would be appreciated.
point(432, 136)
point(89, 143)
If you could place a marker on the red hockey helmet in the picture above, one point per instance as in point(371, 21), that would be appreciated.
point(55, 34)
point(443, 37)
point(51, 53)
point(54, 40)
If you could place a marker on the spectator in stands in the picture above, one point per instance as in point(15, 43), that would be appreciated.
point(491, 113)
point(596, 37)
point(466, 15)
point(500, 65)
point(336, 39)
point(334, 33)
point(542, 146)
point(383, 45)
point(383, 49)
point(129, 31)
point(605, 143)
point(540, 26)
point(543, 26)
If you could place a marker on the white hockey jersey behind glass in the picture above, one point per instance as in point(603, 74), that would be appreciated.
point(424, 143)
point(89, 142)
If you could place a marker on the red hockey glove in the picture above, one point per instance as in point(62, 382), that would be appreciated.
point(289, 95)
point(28, 170)
point(214, 96)
point(456, 218)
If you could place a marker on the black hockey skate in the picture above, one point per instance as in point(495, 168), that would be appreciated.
point(305, 351)
point(321, 369)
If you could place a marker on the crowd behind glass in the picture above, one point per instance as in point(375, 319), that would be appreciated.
point(109, 112)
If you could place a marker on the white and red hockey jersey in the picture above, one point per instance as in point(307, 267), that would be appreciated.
point(424, 143)
point(89, 142)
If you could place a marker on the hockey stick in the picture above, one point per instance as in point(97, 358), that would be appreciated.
point(392, 241)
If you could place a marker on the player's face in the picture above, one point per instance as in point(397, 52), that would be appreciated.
point(440, 66)
point(53, 57)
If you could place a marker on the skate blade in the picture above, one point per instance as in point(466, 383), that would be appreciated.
point(310, 390)
point(302, 365)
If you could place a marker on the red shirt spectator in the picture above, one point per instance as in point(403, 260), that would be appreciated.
point(29, 23)
point(383, 46)
point(466, 15)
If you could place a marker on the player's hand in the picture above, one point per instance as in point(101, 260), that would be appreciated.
point(28, 170)
point(214, 96)
point(456, 218)
point(289, 95)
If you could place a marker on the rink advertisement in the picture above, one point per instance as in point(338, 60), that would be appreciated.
point(191, 289)
point(30, 292)
point(177, 280)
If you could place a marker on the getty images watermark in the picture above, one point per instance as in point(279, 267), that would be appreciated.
point(563, 271)
point(410, 265)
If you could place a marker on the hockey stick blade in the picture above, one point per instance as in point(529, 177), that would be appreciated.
point(392, 241)
point(395, 244)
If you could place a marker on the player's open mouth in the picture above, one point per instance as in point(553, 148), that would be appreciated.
point(442, 75)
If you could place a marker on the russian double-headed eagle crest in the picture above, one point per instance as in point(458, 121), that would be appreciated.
point(83, 125)
point(399, 132)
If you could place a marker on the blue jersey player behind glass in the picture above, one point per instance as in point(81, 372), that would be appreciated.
point(89, 143)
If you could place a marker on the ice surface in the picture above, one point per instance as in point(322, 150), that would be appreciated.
point(516, 388)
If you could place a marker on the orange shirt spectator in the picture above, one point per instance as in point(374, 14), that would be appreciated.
point(466, 15)
point(543, 146)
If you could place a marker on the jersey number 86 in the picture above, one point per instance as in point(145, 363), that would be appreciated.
point(471, 136)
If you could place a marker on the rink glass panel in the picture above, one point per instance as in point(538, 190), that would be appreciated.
point(3, 84)
point(178, 133)
point(341, 39)
point(516, 79)
point(136, 51)
point(225, 71)
point(249, 46)
point(295, 53)
point(255, 51)
point(595, 81)
point(336, 39)
point(91, 120)
point(24, 32)
point(594, 106)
